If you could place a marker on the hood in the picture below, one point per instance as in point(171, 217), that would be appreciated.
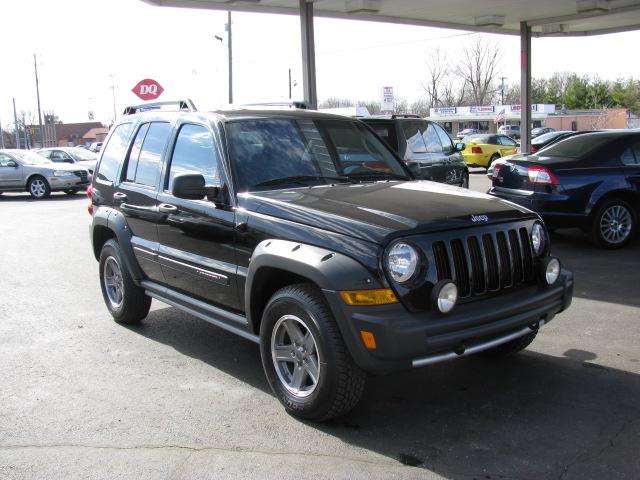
point(383, 210)
point(56, 166)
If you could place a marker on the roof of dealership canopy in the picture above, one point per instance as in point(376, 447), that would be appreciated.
point(545, 17)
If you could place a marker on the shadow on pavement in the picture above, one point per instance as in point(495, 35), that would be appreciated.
point(54, 197)
point(604, 275)
point(533, 416)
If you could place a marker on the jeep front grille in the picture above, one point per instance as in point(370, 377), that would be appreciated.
point(487, 263)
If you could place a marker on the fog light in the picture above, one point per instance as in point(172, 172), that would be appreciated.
point(551, 270)
point(445, 295)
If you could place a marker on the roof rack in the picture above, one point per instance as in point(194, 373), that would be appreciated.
point(182, 105)
point(293, 104)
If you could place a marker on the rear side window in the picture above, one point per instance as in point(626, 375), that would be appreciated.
point(506, 141)
point(631, 156)
point(445, 139)
point(413, 135)
point(150, 154)
point(113, 153)
point(431, 139)
point(194, 152)
point(134, 154)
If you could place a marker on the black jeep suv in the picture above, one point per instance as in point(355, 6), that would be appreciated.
point(425, 147)
point(305, 233)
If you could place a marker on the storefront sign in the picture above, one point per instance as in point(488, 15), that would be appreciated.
point(444, 110)
point(482, 109)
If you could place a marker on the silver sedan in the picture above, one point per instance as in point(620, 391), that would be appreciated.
point(22, 170)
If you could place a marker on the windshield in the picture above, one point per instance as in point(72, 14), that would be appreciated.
point(31, 158)
point(268, 153)
point(577, 145)
point(80, 154)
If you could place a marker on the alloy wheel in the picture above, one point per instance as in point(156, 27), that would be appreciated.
point(38, 188)
point(113, 283)
point(615, 224)
point(295, 356)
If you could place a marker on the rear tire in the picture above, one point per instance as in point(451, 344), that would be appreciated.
point(300, 340)
point(509, 349)
point(38, 187)
point(614, 224)
point(127, 303)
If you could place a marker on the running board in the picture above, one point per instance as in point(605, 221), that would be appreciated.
point(478, 347)
point(214, 315)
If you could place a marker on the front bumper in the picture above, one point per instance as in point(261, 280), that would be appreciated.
point(407, 339)
point(65, 183)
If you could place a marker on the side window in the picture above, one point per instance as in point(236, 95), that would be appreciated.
point(631, 155)
point(413, 135)
point(134, 154)
point(4, 159)
point(151, 152)
point(506, 141)
point(45, 153)
point(445, 140)
point(431, 139)
point(112, 154)
point(194, 152)
point(60, 156)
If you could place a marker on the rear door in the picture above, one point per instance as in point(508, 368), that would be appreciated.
point(135, 195)
point(454, 163)
point(197, 237)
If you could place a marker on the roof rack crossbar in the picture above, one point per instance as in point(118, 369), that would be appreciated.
point(183, 105)
point(293, 104)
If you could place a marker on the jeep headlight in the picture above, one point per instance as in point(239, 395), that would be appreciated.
point(402, 262)
point(538, 238)
point(62, 173)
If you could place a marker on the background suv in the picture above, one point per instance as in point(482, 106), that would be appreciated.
point(512, 131)
point(425, 146)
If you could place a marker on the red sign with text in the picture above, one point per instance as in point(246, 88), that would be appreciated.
point(148, 89)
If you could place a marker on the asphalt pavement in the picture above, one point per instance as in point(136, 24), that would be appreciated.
point(177, 398)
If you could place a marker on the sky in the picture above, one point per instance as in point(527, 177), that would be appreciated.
point(85, 46)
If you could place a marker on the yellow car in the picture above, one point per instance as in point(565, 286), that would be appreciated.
point(484, 149)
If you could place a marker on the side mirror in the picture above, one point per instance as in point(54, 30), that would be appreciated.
point(460, 147)
point(12, 164)
point(189, 186)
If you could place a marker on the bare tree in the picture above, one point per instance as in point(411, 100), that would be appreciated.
point(334, 102)
point(454, 92)
point(373, 106)
point(478, 67)
point(420, 107)
point(437, 70)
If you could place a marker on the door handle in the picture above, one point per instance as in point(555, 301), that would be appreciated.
point(167, 208)
point(119, 196)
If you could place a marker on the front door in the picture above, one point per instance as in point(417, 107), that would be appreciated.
point(135, 196)
point(197, 237)
point(10, 172)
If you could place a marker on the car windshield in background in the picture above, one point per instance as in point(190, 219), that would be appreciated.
point(30, 158)
point(577, 146)
point(477, 138)
point(267, 153)
point(82, 154)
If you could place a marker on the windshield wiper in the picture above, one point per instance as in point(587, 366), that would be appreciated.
point(300, 180)
point(377, 174)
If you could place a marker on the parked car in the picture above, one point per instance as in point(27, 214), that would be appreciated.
point(23, 170)
point(95, 147)
point(466, 132)
point(512, 131)
point(304, 232)
point(80, 156)
point(483, 150)
point(425, 146)
point(536, 132)
point(590, 181)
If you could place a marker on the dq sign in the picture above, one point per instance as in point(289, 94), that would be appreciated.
point(148, 89)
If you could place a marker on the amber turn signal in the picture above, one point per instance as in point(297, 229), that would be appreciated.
point(381, 296)
point(368, 339)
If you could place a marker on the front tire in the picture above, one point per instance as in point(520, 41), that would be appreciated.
point(614, 224)
point(511, 348)
point(304, 356)
point(38, 187)
point(127, 303)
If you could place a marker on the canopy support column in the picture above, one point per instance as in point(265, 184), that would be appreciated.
point(308, 54)
point(525, 87)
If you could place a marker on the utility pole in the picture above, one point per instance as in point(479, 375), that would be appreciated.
point(35, 66)
point(113, 93)
point(15, 122)
point(1, 137)
point(502, 91)
point(289, 84)
point(24, 126)
point(229, 45)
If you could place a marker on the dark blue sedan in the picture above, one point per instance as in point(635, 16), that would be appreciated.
point(590, 181)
